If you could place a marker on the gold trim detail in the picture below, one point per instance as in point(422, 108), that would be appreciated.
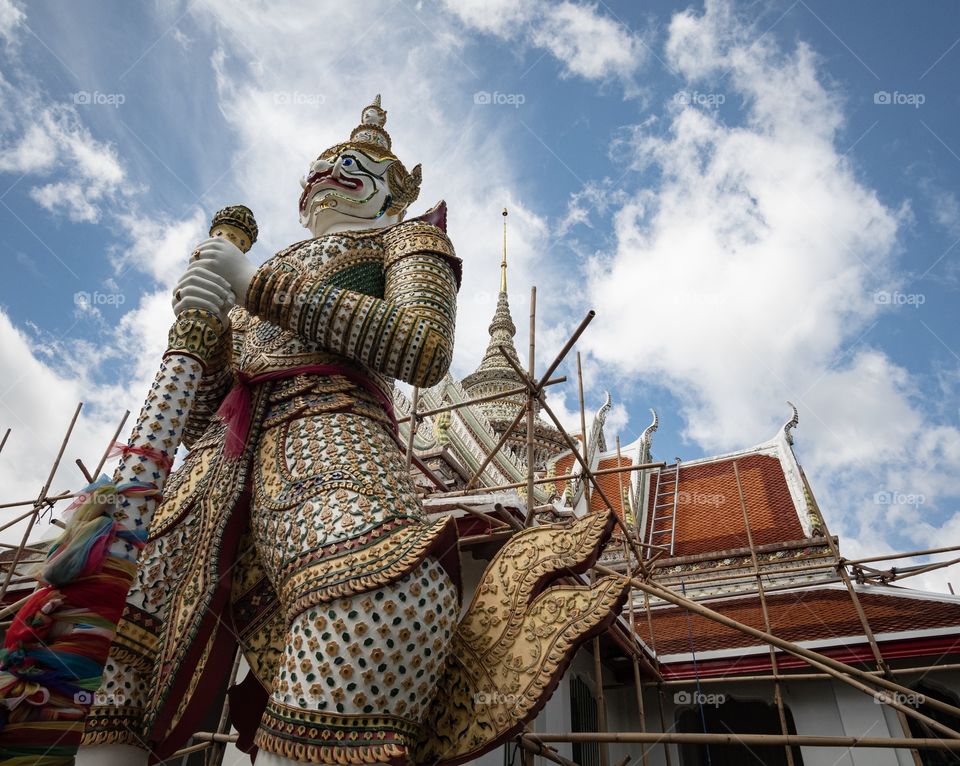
point(512, 645)
point(196, 333)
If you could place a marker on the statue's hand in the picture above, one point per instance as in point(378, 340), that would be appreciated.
point(220, 256)
point(201, 288)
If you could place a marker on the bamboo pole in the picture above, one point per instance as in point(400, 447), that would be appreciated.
point(215, 756)
point(583, 429)
point(802, 676)
point(893, 574)
point(537, 389)
point(777, 691)
point(839, 670)
point(597, 664)
point(907, 555)
point(748, 740)
point(116, 435)
point(566, 437)
point(413, 425)
point(549, 753)
point(496, 526)
point(493, 453)
point(40, 502)
point(47, 500)
point(482, 399)
point(531, 369)
point(653, 646)
point(861, 614)
point(548, 480)
point(599, 490)
point(637, 680)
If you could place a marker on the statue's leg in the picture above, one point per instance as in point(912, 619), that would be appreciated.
point(113, 730)
point(114, 727)
point(369, 619)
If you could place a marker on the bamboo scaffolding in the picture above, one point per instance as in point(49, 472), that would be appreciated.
point(548, 480)
point(495, 451)
point(597, 664)
point(536, 744)
point(861, 614)
point(637, 680)
point(845, 673)
point(754, 740)
point(907, 555)
point(544, 751)
point(924, 669)
point(777, 691)
point(40, 502)
point(414, 424)
point(531, 500)
point(586, 471)
point(883, 577)
point(483, 399)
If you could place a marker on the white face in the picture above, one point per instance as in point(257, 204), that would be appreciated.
point(347, 191)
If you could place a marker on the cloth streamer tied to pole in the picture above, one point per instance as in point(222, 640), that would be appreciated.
point(55, 650)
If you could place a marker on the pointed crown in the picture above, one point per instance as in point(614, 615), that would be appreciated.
point(372, 139)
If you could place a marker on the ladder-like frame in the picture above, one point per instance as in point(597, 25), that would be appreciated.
point(672, 473)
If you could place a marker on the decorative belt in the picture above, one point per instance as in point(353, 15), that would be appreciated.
point(235, 409)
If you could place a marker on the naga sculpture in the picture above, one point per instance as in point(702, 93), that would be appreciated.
point(293, 529)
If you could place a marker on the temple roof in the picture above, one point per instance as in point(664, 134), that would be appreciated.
point(822, 616)
point(496, 375)
point(494, 371)
point(709, 516)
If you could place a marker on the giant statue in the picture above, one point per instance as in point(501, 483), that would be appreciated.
point(292, 528)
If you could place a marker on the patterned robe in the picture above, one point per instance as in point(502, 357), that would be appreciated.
point(301, 547)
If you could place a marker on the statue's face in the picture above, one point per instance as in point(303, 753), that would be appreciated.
point(347, 188)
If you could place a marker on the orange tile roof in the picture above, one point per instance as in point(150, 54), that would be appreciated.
point(610, 484)
point(805, 615)
point(709, 516)
point(562, 468)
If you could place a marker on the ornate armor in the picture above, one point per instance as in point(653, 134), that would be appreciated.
point(332, 516)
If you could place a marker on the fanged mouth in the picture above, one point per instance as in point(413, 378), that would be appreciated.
point(324, 178)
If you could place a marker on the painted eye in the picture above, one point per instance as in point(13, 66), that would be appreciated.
point(347, 162)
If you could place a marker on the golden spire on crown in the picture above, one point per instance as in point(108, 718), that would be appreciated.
point(370, 130)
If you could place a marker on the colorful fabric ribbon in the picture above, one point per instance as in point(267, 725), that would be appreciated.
point(54, 650)
point(162, 460)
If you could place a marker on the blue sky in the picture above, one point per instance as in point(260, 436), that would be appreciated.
point(758, 198)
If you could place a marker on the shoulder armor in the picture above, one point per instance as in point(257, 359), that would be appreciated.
point(416, 236)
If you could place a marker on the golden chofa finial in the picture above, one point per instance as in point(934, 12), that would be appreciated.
point(503, 263)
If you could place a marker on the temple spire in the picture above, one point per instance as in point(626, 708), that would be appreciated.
point(496, 375)
point(503, 263)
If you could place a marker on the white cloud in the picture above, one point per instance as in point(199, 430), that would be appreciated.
point(946, 211)
point(35, 151)
point(160, 246)
point(504, 18)
point(756, 258)
point(72, 198)
point(750, 273)
point(10, 18)
point(37, 399)
point(587, 42)
point(43, 139)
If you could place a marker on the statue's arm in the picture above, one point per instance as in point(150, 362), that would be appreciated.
point(407, 334)
point(214, 386)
